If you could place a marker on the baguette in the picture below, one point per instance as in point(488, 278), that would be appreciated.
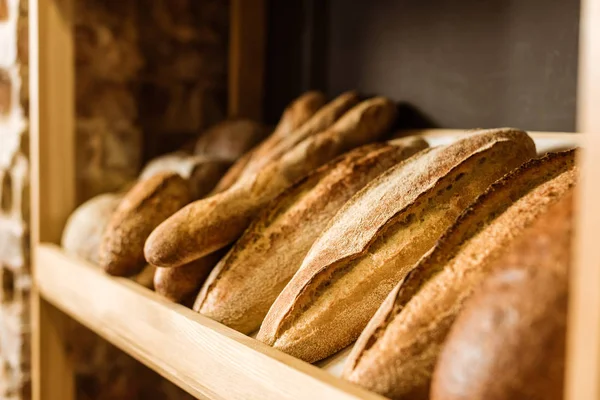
point(84, 228)
point(230, 139)
point(322, 119)
point(376, 238)
point(208, 225)
point(240, 290)
point(202, 172)
point(294, 116)
point(509, 341)
point(396, 353)
point(145, 206)
point(181, 283)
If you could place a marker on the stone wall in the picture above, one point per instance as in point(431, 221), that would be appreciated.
point(14, 213)
point(149, 76)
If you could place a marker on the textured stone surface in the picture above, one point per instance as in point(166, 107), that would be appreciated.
point(155, 67)
point(14, 211)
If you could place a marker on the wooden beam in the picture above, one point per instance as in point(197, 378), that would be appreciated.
point(247, 44)
point(588, 93)
point(52, 119)
point(583, 335)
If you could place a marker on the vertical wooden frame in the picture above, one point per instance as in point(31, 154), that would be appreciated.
point(52, 120)
point(246, 58)
point(583, 348)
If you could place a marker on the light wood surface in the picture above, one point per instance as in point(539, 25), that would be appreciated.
point(247, 42)
point(203, 357)
point(545, 141)
point(52, 179)
point(583, 337)
point(588, 91)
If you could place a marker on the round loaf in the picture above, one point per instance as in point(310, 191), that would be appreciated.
point(84, 228)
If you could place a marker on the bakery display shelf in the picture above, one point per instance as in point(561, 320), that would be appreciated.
point(203, 357)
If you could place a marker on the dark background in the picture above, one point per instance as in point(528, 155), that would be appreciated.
point(454, 64)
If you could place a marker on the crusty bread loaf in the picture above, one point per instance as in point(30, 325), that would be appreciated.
point(294, 116)
point(323, 119)
point(377, 237)
point(509, 341)
point(208, 225)
point(145, 206)
point(230, 139)
point(181, 283)
point(240, 290)
point(396, 353)
point(202, 172)
point(84, 228)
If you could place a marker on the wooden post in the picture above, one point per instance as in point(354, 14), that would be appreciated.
point(52, 119)
point(583, 347)
point(246, 58)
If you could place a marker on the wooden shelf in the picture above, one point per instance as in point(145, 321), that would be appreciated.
point(203, 357)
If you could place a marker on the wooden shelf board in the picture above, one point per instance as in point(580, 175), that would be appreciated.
point(203, 357)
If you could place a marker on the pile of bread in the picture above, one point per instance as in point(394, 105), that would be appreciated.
point(445, 268)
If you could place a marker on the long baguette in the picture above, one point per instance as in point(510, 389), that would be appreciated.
point(376, 238)
point(210, 224)
point(323, 118)
point(294, 116)
point(144, 206)
point(509, 342)
point(242, 287)
point(396, 353)
point(181, 283)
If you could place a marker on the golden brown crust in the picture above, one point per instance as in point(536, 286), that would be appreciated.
point(509, 341)
point(208, 225)
point(179, 284)
point(417, 314)
point(366, 250)
point(145, 206)
point(245, 283)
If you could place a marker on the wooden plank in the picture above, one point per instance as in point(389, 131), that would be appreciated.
point(247, 58)
point(52, 372)
point(588, 93)
point(545, 141)
point(52, 179)
point(52, 117)
point(203, 357)
point(583, 336)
